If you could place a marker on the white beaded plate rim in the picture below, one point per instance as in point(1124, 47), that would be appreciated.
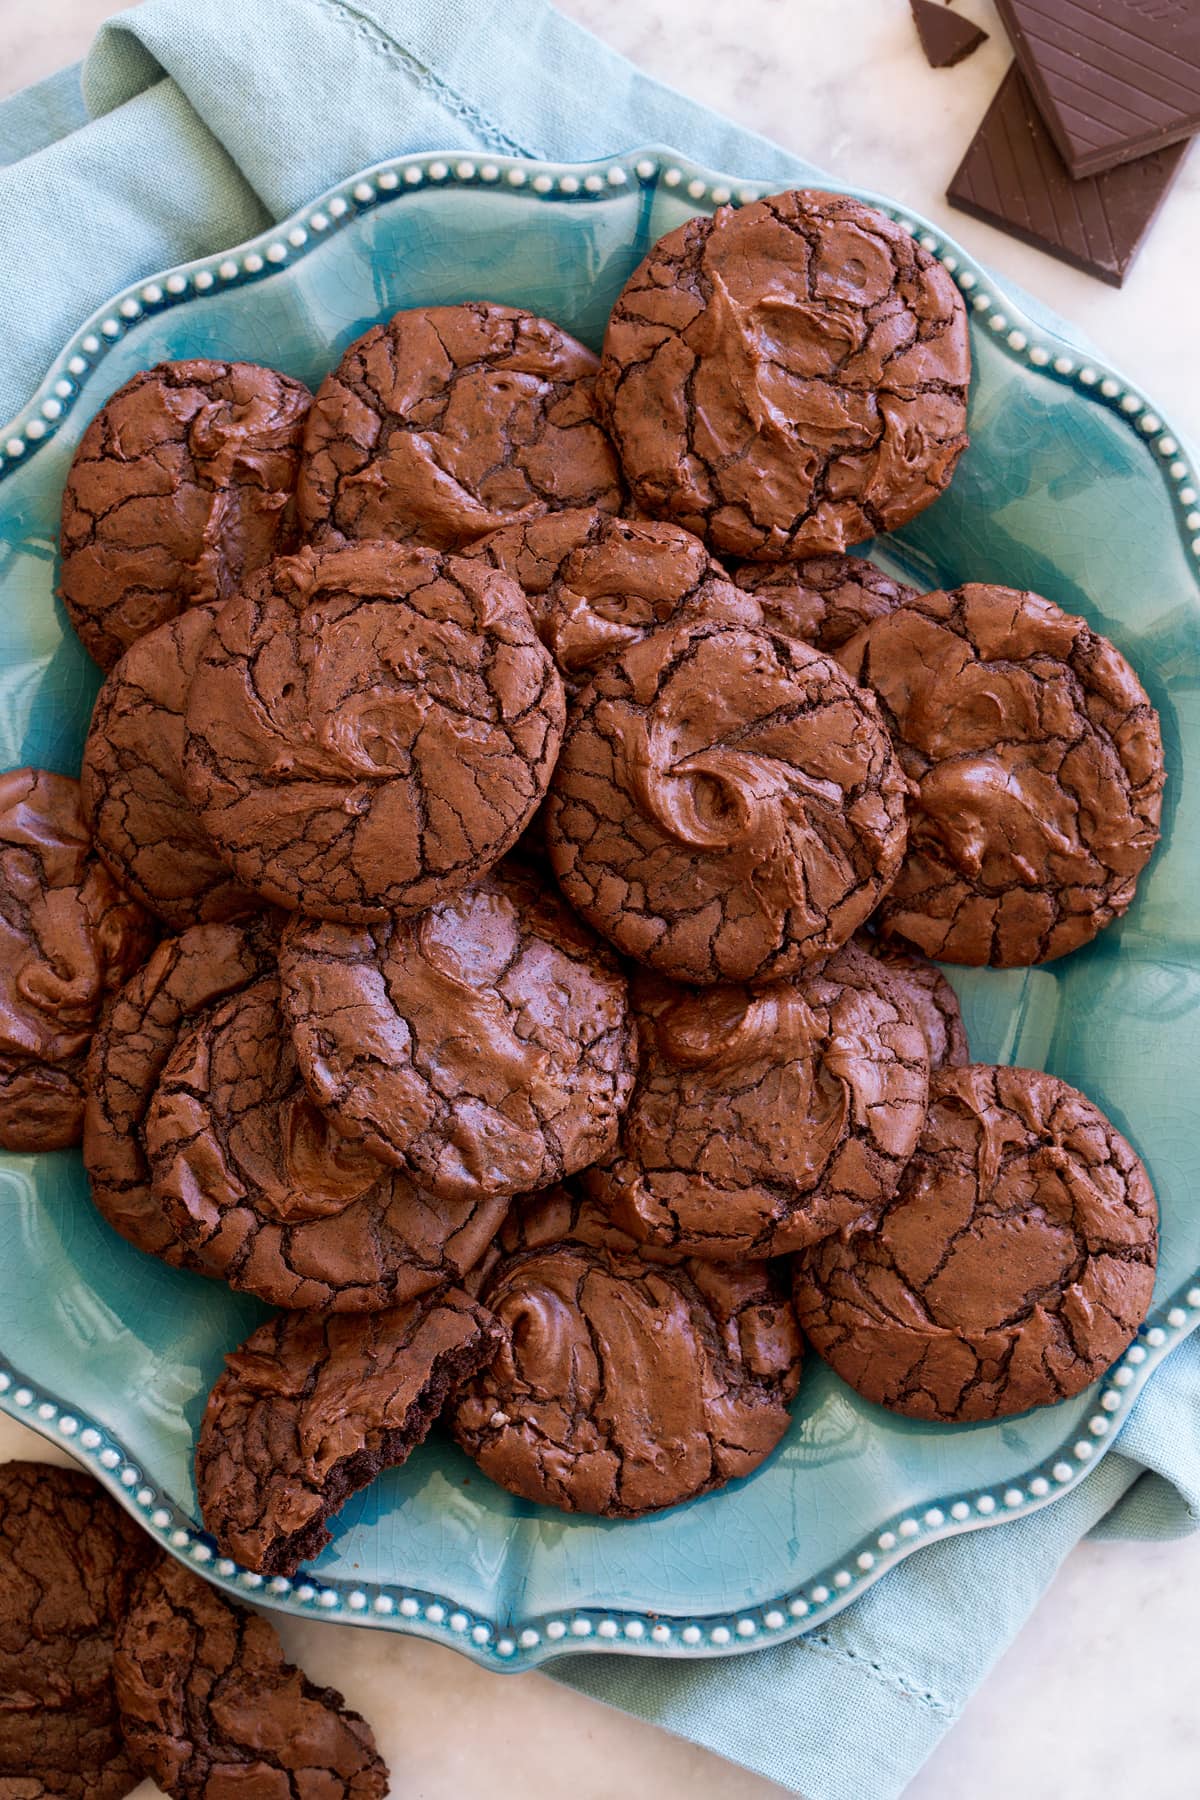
point(520, 1643)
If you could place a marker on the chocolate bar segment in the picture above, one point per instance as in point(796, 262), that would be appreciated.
point(1013, 177)
point(1114, 79)
point(946, 37)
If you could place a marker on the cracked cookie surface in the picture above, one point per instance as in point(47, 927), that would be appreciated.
point(627, 1388)
point(595, 583)
point(935, 1004)
point(764, 1119)
point(68, 1558)
point(313, 1406)
point(68, 938)
point(185, 976)
point(823, 600)
point(131, 784)
point(263, 1191)
point(1038, 765)
point(450, 421)
point(727, 805)
point(370, 728)
point(1013, 1266)
point(211, 1709)
point(787, 378)
point(486, 1046)
point(181, 486)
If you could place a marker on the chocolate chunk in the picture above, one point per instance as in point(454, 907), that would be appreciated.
point(595, 584)
point(946, 37)
point(823, 600)
point(263, 1191)
point(764, 1119)
point(486, 1046)
point(370, 729)
point(787, 378)
point(1038, 766)
point(181, 486)
point(212, 1711)
point(727, 805)
point(131, 782)
point(313, 1406)
point(628, 1388)
point(933, 999)
point(1113, 79)
point(1013, 177)
point(185, 976)
point(68, 938)
point(1013, 1266)
point(450, 421)
point(68, 1558)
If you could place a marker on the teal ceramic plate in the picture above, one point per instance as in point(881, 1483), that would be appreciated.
point(1072, 486)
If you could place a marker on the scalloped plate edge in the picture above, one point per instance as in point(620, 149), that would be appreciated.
point(516, 1644)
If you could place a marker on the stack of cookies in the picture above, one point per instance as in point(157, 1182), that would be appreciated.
point(546, 827)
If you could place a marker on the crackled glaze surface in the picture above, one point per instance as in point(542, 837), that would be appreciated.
point(1107, 495)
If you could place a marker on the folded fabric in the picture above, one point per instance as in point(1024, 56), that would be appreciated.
point(190, 127)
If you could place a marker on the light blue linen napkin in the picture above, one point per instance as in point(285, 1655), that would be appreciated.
point(194, 124)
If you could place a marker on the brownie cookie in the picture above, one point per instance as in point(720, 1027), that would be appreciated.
point(565, 1214)
point(595, 584)
point(823, 600)
point(486, 1046)
point(727, 805)
point(185, 976)
point(787, 378)
point(370, 728)
point(131, 782)
point(68, 1557)
point(1038, 768)
point(627, 1388)
point(764, 1119)
point(68, 938)
point(211, 1710)
point(934, 1002)
point(1013, 1266)
point(181, 486)
point(313, 1406)
point(450, 421)
point(262, 1190)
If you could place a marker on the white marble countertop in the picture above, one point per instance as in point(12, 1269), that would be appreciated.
point(1070, 1710)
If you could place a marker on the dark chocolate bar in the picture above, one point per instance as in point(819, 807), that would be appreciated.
point(946, 37)
point(1013, 177)
point(1114, 79)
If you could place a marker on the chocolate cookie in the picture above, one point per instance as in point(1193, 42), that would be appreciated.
point(595, 584)
point(68, 938)
point(764, 1119)
point(185, 976)
point(485, 1046)
point(450, 421)
point(211, 1710)
point(823, 600)
point(262, 1190)
point(1013, 1266)
point(370, 729)
point(181, 486)
point(726, 806)
point(313, 1406)
point(131, 783)
point(627, 1388)
point(1038, 767)
point(68, 1557)
point(788, 378)
point(934, 1002)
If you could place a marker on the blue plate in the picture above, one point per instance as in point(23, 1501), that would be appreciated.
point(1072, 486)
